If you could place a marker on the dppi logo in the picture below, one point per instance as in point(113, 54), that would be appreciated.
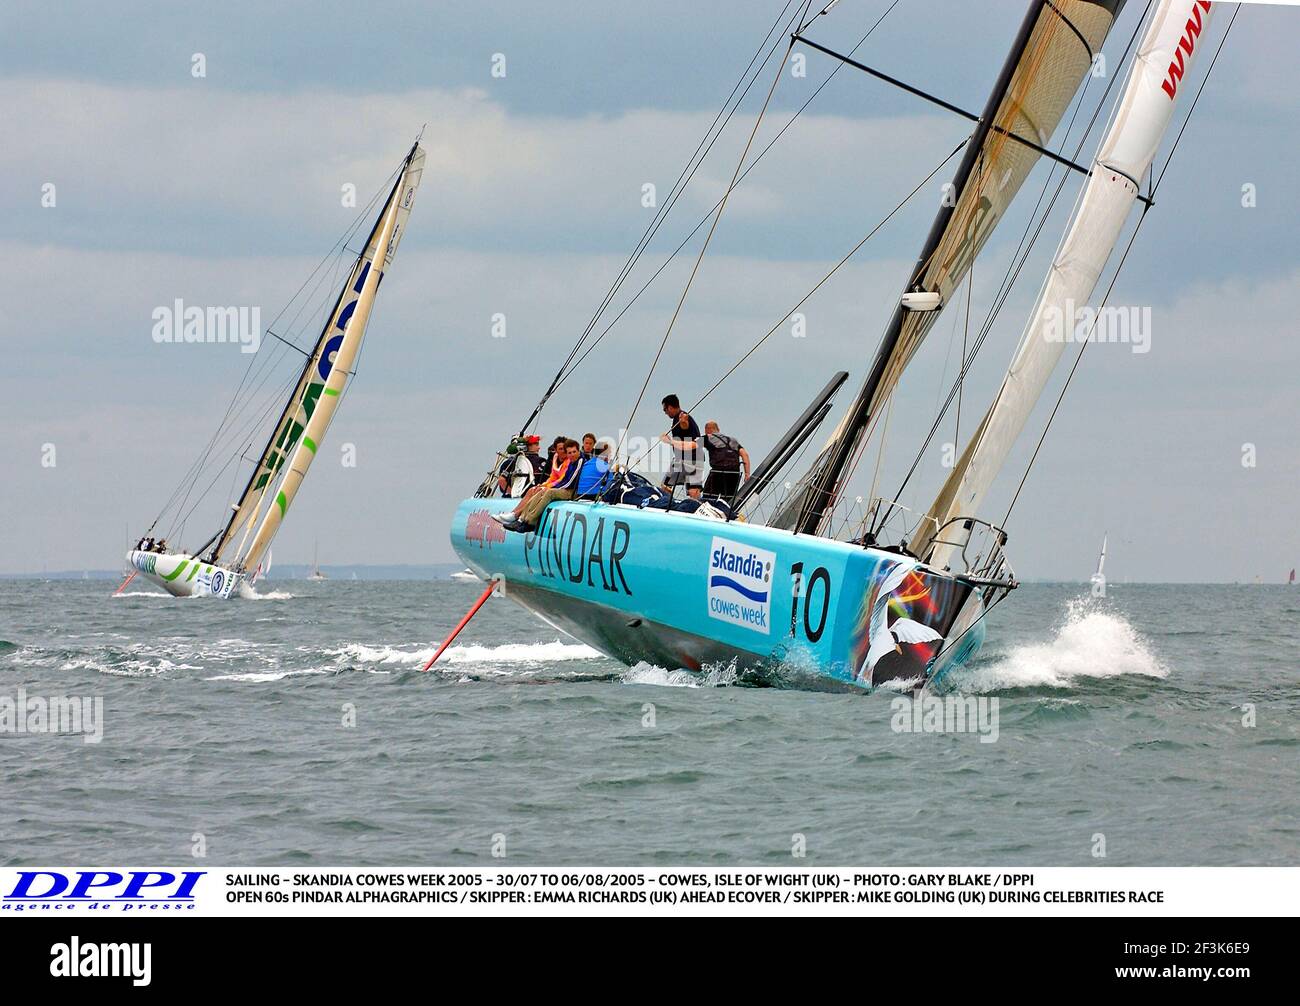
point(99, 889)
point(481, 528)
point(1191, 32)
point(740, 584)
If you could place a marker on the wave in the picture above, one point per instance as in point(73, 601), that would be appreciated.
point(710, 676)
point(651, 674)
point(518, 653)
point(128, 667)
point(142, 593)
point(271, 595)
point(1091, 644)
point(262, 676)
point(472, 653)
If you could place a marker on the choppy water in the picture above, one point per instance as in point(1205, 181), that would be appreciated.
point(1121, 718)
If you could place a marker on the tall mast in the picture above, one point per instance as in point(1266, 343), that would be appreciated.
point(338, 365)
point(277, 445)
point(1139, 122)
point(1067, 41)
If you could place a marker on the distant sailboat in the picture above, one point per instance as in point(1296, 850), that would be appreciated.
point(1100, 575)
point(316, 574)
point(239, 552)
point(465, 575)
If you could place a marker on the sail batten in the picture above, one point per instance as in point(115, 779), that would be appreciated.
point(1141, 117)
point(1035, 87)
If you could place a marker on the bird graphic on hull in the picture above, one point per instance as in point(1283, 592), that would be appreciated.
point(883, 636)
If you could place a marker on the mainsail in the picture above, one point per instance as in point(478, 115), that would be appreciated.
point(1140, 120)
point(1053, 50)
point(307, 414)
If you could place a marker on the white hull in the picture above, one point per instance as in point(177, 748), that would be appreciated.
point(182, 575)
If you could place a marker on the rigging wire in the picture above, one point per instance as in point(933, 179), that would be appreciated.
point(693, 163)
point(708, 238)
point(820, 283)
point(834, 269)
point(565, 374)
point(264, 364)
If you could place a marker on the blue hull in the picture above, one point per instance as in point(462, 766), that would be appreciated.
point(678, 590)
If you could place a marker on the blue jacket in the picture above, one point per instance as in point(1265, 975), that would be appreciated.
point(591, 479)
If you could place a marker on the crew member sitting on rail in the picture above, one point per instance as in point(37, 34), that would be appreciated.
point(557, 445)
point(588, 446)
point(726, 457)
point(560, 489)
point(595, 476)
point(560, 466)
point(683, 436)
point(519, 471)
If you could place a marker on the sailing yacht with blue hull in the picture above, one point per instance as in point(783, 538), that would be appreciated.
point(680, 590)
point(865, 594)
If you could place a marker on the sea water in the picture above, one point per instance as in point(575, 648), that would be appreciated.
point(1156, 726)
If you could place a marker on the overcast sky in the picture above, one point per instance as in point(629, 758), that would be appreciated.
point(225, 189)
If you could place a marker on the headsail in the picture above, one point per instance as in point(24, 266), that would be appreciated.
point(1052, 52)
point(307, 417)
point(1141, 118)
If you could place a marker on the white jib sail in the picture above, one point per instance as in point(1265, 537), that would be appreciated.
point(313, 433)
point(1140, 120)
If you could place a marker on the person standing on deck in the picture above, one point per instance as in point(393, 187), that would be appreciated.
point(683, 436)
point(726, 459)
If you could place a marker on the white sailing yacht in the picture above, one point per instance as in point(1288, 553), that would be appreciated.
point(233, 558)
point(1099, 577)
point(315, 573)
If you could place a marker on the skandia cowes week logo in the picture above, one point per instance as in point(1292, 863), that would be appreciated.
point(740, 584)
